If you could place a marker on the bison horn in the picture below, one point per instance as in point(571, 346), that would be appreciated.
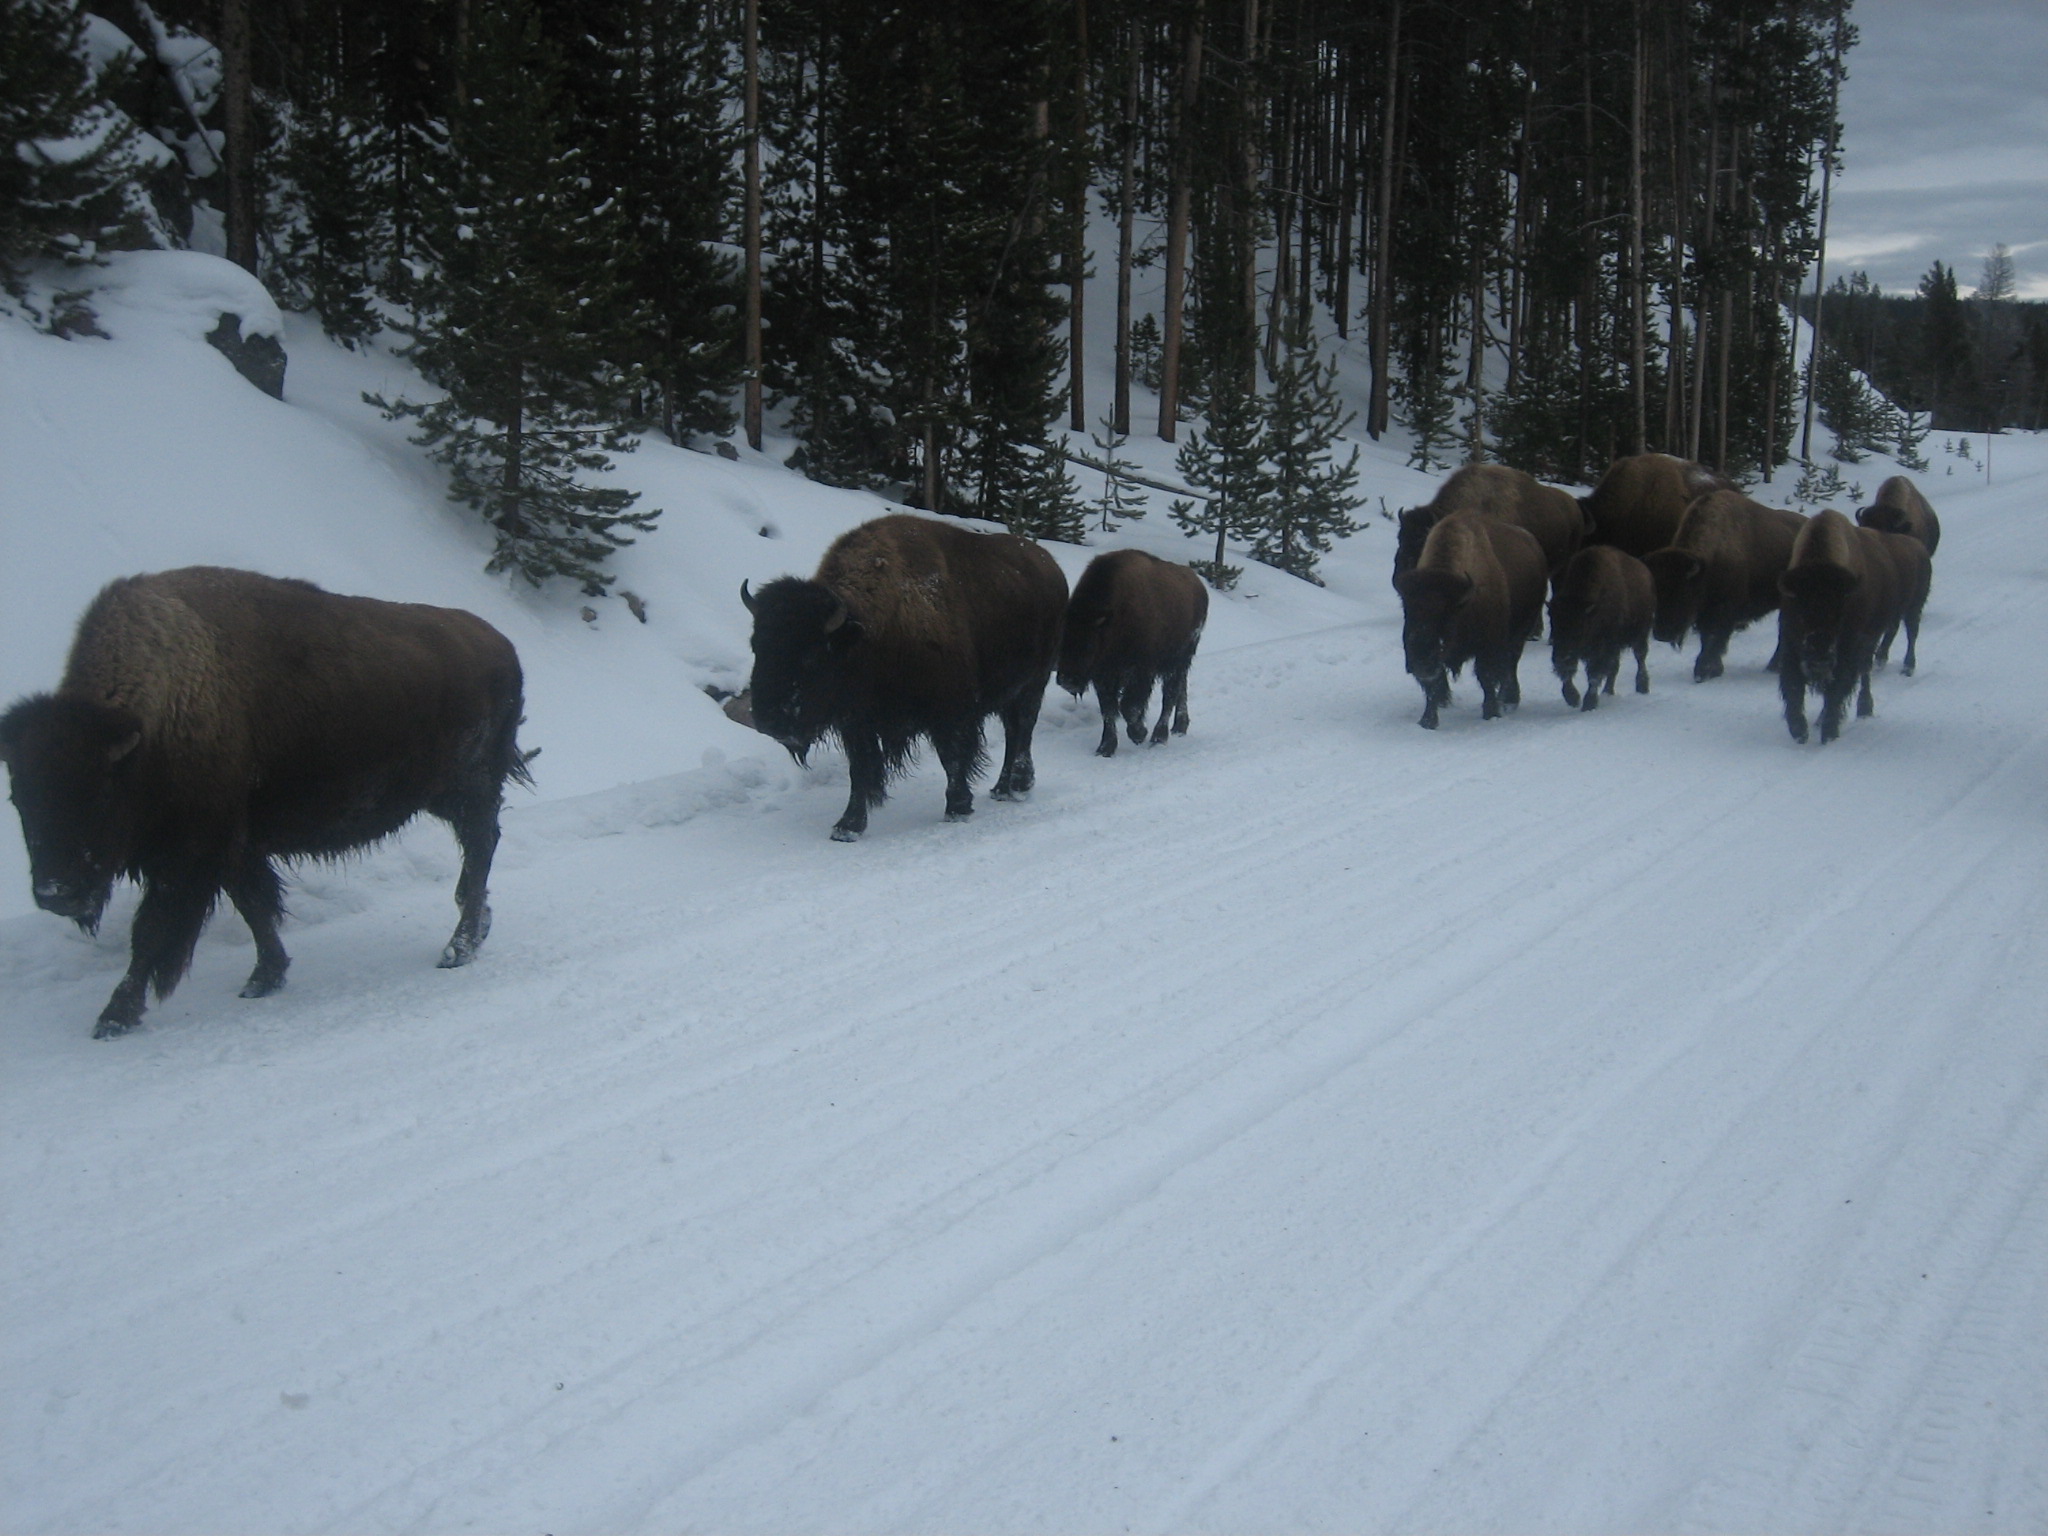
point(838, 616)
point(124, 746)
point(746, 597)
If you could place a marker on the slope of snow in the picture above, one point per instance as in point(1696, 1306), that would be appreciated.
point(1579, 1123)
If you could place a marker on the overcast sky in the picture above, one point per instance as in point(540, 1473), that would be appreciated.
point(1945, 142)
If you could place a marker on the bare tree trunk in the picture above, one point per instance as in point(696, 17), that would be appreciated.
point(752, 322)
point(1177, 228)
point(1820, 266)
point(1077, 243)
point(1127, 212)
point(1639, 384)
point(1347, 201)
point(1699, 313)
point(1376, 411)
point(239, 153)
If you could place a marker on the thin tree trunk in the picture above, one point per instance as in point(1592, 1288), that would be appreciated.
point(1127, 212)
point(1820, 266)
point(239, 153)
point(1639, 384)
point(1347, 201)
point(1177, 229)
point(1077, 245)
point(1376, 412)
point(752, 67)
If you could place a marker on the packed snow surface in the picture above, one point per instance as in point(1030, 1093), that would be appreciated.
point(1614, 1122)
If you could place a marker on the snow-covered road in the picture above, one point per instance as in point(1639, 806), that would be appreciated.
point(1573, 1123)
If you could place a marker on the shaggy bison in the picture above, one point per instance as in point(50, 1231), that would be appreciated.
point(1600, 606)
point(1134, 619)
point(210, 721)
point(912, 627)
point(1900, 508)
point(1475, 593)
point(1553, 517)
point(1720, 572)
point(1847, 590)
point(1640, 501)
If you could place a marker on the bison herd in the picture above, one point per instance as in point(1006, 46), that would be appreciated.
point(211, 722)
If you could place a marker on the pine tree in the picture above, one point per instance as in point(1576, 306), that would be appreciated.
point(1308, 501)
point(70, 161)
point(1226, 459)
point(1117, 500)
point(330, 214)
point(522, 283)
point(1862, 420)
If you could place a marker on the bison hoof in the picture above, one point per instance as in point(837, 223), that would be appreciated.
point(1107, 749)
point(1428, 721)
point(1571, 695)
point(110, 1026)
point(262, 986)
point(967, 815)
point(1180, 725)
point(1592, 700)
point(846, 834)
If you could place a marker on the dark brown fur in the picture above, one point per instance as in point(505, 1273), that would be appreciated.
point(210, 721)
point(1134, 619)
point(1474, 595)
point(1720, 573)
point(1553, 517)
point(1640, 501)
point(1847, 591)
point(1600, 606)
point(1900, 508)
point(912, 627)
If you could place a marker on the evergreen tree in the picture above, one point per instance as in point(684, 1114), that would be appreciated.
point(1308, 501)
point(1944, 338)
point(1862, 420)
point(330, 215)
point(1117, 500)
point(69, 159)
point(1226, 459)
point(522, 282)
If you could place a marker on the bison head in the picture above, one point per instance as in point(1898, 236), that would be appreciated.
point(70, 765)
point(1080, 642)
point(1412, 532)
point(1680, 579)
point(1821, 593)
point(802, 636)
point(1431, 602)
point(1885, 519)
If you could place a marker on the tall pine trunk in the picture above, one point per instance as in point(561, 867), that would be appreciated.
point(1377, 406)
point(1177, 228)
point(752, 68)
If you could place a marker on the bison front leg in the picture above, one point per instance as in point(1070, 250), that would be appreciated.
point(1020, 719)
point(167, 925)
point(1713, 647)
point(1566, 665)
point(1180, 698)
point(1106, 690)
point(1436, 692)
point(1642, 650)
point(1173, 705)
point(959, 749)
point(257, 895)
point(866, 768)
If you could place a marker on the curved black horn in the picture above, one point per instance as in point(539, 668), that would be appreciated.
point(838, 616)
point(746, 597)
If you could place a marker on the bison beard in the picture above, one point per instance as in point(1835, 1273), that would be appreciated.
point(210, 721)
point(911, 628)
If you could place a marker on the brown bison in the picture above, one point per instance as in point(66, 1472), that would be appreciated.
point(1640, 501)
point(912, 627)
point(1475, 593)
point(1600, 605)
point(1900, 508)
point(1720, 573)
point(1847, 592)
point(1134, 619)
point(210, 721)
point(1553, 517)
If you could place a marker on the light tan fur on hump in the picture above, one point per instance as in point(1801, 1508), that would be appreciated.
point(895, 574)
point(142, 647)
point(1827, 538)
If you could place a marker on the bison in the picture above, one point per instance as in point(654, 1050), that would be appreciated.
point(1640, 501)
point(1847, 590)
point(1553, 517)
point(1134, 619)
point(1601, 604)
point(1720, 573)
point(1900, 508)
point(211, 721)
point(1475, 593)
point(912, 627)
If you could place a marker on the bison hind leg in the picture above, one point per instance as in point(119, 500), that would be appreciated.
point(1020, 719)
point(1106, 696)
point(960, 754)
point(474, 818)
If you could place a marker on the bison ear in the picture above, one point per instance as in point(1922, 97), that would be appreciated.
point(842, 629)
point(1465, 589)
point(746, 597)
point(124, 746)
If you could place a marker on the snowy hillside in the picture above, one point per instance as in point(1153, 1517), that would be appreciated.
point(1570, 1123)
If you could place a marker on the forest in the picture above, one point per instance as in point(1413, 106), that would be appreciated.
point(1560, 230)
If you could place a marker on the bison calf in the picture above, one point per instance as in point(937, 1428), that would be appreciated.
point(210, 721)
point(1474, 595)
point(1601, 605)
point(912, 627)
point(1134, 620)
point(1847, 590)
